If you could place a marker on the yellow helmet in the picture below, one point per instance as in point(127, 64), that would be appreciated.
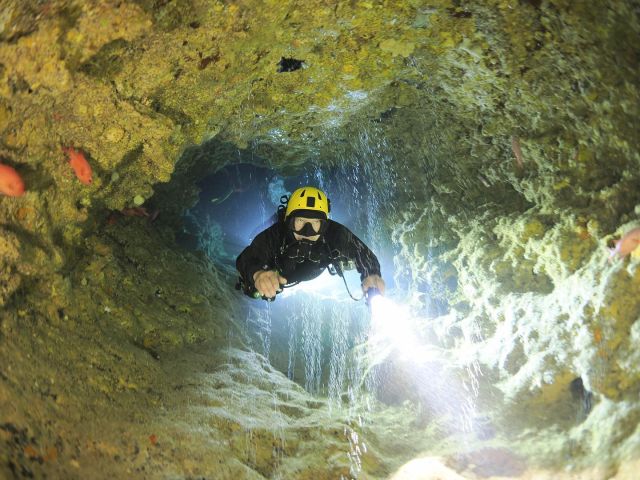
point(308, 202)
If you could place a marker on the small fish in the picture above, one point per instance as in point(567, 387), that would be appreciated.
point(221, 199)
point(627, 244)
point(134, 212)
point(11, 183)
point(112, 219)
point(79, 164)
point(597, 335)
point(484, 180)
point(140, 212)
point(517, 151)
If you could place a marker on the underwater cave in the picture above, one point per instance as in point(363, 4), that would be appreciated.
point(486, 151)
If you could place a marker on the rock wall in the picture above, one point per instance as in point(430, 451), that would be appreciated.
point(499, 145)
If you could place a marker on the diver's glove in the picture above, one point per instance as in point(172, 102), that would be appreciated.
point(373, 281)
point(268, 283)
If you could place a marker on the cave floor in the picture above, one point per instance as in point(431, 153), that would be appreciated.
point(80, 404)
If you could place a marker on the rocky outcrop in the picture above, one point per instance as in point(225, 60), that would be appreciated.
point(488, 150)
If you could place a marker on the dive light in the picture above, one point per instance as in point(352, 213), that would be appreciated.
point(371, 292)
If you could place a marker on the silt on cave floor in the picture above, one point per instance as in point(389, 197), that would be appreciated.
point(487, 150)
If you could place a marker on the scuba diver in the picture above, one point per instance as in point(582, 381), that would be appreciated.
point(300, 245)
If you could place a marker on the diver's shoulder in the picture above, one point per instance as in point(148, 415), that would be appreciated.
point(336, 228)
point(272, 231)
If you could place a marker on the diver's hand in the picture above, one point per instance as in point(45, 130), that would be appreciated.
point(268, 282)
point(373, 281)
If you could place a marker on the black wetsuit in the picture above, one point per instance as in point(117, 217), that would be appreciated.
point(276, 249)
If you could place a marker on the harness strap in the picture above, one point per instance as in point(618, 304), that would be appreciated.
point(333, 264)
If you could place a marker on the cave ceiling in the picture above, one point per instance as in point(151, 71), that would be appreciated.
point(498, 140)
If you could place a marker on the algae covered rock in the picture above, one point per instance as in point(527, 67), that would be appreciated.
point(488, 150)
point(9, 255)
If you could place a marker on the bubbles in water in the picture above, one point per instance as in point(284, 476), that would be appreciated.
point(338, 359)
point(258, 322)
point(320, 335)
point(311, 346)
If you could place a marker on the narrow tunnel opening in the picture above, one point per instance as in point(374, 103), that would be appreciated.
point(311, 329)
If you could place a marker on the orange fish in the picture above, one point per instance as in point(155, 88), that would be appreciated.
point(10, 181)
point(627, 244)
point(79, 164)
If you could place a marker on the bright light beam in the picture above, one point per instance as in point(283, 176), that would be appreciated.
point(394, 328)
point(397, 334)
